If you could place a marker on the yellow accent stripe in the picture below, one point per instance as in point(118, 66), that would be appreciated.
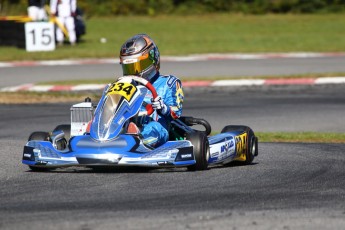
point(150, 140)
point(56, 21)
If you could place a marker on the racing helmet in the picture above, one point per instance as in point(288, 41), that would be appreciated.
point(139, 56)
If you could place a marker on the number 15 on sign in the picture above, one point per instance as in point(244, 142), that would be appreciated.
point(39, 36)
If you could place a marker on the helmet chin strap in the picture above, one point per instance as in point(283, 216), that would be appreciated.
point(149, 73)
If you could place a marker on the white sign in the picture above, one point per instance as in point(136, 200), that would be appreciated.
point(39, 36)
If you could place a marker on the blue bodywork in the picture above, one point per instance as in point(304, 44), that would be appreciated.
point(108, 144)
point(125, 150)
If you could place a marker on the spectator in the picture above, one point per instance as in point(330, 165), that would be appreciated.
point(65, 10)
point(36, 10)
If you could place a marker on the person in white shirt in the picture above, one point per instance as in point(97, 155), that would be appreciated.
point(65, 10)
point(36, 10)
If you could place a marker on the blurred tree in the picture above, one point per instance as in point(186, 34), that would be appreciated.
point(154, 7)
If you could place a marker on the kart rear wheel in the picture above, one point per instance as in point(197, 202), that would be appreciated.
point(252, 141)
point(201, 150)
point(234, 128)
point(39, 136)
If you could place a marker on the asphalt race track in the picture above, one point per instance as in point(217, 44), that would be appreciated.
point(288, 186)
point(224, 68)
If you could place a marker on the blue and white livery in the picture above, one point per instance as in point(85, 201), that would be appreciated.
point(101, 136)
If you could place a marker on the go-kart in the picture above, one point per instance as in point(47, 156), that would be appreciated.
point(100, 136)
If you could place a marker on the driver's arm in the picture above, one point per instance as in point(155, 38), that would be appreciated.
point(174, 100)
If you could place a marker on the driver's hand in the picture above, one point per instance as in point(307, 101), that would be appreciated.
point(158, 104)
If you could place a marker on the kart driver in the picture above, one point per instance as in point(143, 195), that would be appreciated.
point(143, 60)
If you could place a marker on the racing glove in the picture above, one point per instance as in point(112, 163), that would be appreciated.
point(158, 104)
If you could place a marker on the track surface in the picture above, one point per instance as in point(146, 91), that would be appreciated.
point(289, 186)
point(210, 68)
point(265, 109)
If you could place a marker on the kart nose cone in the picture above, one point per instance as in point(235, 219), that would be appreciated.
point(99, 159)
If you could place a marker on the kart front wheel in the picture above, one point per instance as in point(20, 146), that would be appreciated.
point(201, 150)
point(66, 128)
point(39, 136)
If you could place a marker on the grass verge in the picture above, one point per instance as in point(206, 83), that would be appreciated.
point(305, 137)
point(210, 33)
point(50, 97)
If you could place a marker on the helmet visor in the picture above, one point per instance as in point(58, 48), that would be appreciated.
point(136, 66)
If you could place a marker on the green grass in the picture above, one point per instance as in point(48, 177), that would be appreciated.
point(305, 137)
point(218, 33)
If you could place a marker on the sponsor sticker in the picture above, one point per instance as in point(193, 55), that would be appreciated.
point(215, 154)
point(227, 149)
point(129, 61)
point(27, 155)
point(183, 156)
point(171, 81)
point(241, 144)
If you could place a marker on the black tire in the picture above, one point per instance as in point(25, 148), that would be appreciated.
point(66, 128)
point(39, 136)
point(256, 153)
point(38, 169)
point(252, 141)
point(201, 150)
point(251, 148)
point(234, 128)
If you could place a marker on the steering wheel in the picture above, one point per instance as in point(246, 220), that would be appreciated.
point(148, 85)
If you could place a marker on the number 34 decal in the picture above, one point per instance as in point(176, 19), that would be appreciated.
point(126, 90)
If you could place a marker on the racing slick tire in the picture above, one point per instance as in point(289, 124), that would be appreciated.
point(201, 150)
point(39, 136)
point(66, 128)
point(252, 141)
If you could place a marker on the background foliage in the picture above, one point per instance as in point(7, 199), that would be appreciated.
point(157, 7)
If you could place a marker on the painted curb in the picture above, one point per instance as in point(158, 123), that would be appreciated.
point(187, 84)
point(188, 58)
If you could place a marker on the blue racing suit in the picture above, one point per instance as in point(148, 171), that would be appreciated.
point(156, 128)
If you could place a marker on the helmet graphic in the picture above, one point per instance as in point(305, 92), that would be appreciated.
point(139, 56)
